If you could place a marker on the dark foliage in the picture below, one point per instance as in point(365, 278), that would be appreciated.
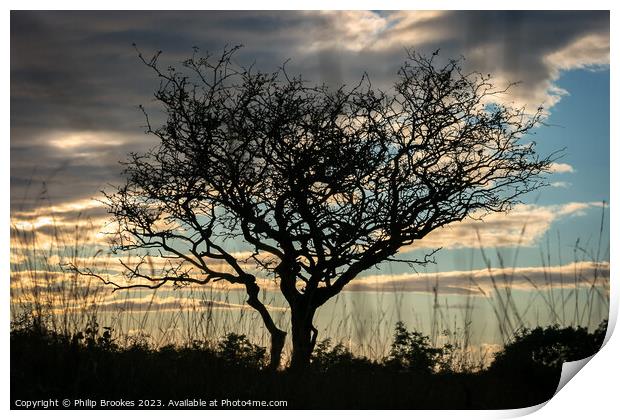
point(338, 358)
point(547, 348)
point(412, 351)
point(45, 364)
point(238, 350)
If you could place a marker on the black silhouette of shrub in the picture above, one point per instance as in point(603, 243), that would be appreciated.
point(94, 337)
point(236, 349)
point(327, 358)
point(412, 351)
point(548, 348)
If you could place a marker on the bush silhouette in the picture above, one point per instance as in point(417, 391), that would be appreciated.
point(548, 348)
point(93, 337)
point(326, 358)
point(412, 351)
point(238, 350)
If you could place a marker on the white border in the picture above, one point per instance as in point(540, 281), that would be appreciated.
point(592, 394)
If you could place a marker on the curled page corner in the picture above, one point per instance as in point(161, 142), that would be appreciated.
point(570, 369)
point(521, 412)
point(611, 323)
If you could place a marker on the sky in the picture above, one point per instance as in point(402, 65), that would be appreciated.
point(76, 84)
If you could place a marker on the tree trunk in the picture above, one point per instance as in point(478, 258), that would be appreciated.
point(278, 338)
point(277, 335)
point(304, 336)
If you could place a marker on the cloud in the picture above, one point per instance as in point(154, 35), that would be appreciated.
point(352, 30)
point(560, 184)
point(527, 47)
point(588, 51)
point(53, 234)
point(522, 226)
point(531, 48)
point(44, 164)
point(76, 81)
point(561, 168)
point(582, 274)
point(64, 291)
point(168, 303)
point(85, 144)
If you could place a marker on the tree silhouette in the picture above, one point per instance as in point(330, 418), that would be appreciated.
point(321, 183)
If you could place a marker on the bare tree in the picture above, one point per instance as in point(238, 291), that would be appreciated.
point(321, 183)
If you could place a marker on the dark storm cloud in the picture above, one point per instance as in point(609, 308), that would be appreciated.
point(77, 74)
point(517, 44)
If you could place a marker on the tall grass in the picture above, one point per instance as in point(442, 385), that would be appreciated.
point(63, 301)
